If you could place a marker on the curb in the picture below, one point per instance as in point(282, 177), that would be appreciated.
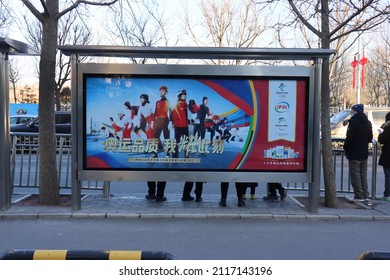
point(108, 215)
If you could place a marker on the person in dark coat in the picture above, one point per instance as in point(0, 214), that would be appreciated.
point(384, 159)
point(359, 135)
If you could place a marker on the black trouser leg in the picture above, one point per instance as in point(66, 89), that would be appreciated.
point(240, 189)
point(198, 189)
point(279, 187)
point(160, 189)
point(253, 190)
point(151, 188)
point(224, 189)
point(272, 188)
point(187, 189)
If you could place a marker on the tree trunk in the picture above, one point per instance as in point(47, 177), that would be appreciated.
point(48, 182)
point(326, 141)
point(14, 91)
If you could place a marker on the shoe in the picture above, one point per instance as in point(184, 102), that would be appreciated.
point(283, 194)
point(222, 202)
point(240, 202)
point(198, 199)
point(150, 196)
point(386, 198)
point(160, 198)
point(187, 198)
point(272, 198)
point(244, 196)
point(253, 197)
point(358, 199)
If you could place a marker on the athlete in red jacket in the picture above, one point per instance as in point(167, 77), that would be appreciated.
point(179, 119)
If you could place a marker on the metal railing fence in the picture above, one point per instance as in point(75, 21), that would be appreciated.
point(341, 169)
point(25, 162)
point(25, 165)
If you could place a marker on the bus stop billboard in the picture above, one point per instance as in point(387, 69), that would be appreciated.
point(238, 122)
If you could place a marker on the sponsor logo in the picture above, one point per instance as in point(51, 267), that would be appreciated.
point(282, 107)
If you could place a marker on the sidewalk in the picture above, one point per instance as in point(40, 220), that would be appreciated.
point(136, 206)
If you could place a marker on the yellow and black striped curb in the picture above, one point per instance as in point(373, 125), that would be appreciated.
point(375, 256)
point(84, 255)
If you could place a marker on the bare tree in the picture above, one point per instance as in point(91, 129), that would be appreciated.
point(227, 23)
point(48, 14)
point(14, 77)
point(139, 23)
point(72, 32)
point(377, 77)
point(339, 83)
point(5, 17)
point(378, 71)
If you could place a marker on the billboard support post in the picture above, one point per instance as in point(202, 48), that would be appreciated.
point(314, 186)
point(5, 187)
point(7, 47)
point(76, 183)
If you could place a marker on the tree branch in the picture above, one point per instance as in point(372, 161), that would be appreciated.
point(349, 19)
point(359, 28)
point(78, 2)
point(33, 10)
point(303, 20)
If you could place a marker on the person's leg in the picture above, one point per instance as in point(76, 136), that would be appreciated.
point(224, 191)
point(160, 191)
point(282, 191)
point(354, 169)
point(177, 138)
point(386, 193)
point(363, 179)
point(187, 191)
point(272, 187)
point(244, 193)
point(198, 191)
point(240, 189)
point(151, 190)
point(271, 192)
point(253, 189)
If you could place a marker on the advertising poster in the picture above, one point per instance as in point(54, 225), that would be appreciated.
point(140, 122)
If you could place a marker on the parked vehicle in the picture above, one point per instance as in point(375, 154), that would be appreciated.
point(339, 121)
point(63, 124)
point(20, 119)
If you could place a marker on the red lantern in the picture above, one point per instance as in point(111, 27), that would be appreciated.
point(363, 61)
point(354, 64)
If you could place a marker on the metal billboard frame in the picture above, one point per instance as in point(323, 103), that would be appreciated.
point(314, 72)
point(278, 72)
